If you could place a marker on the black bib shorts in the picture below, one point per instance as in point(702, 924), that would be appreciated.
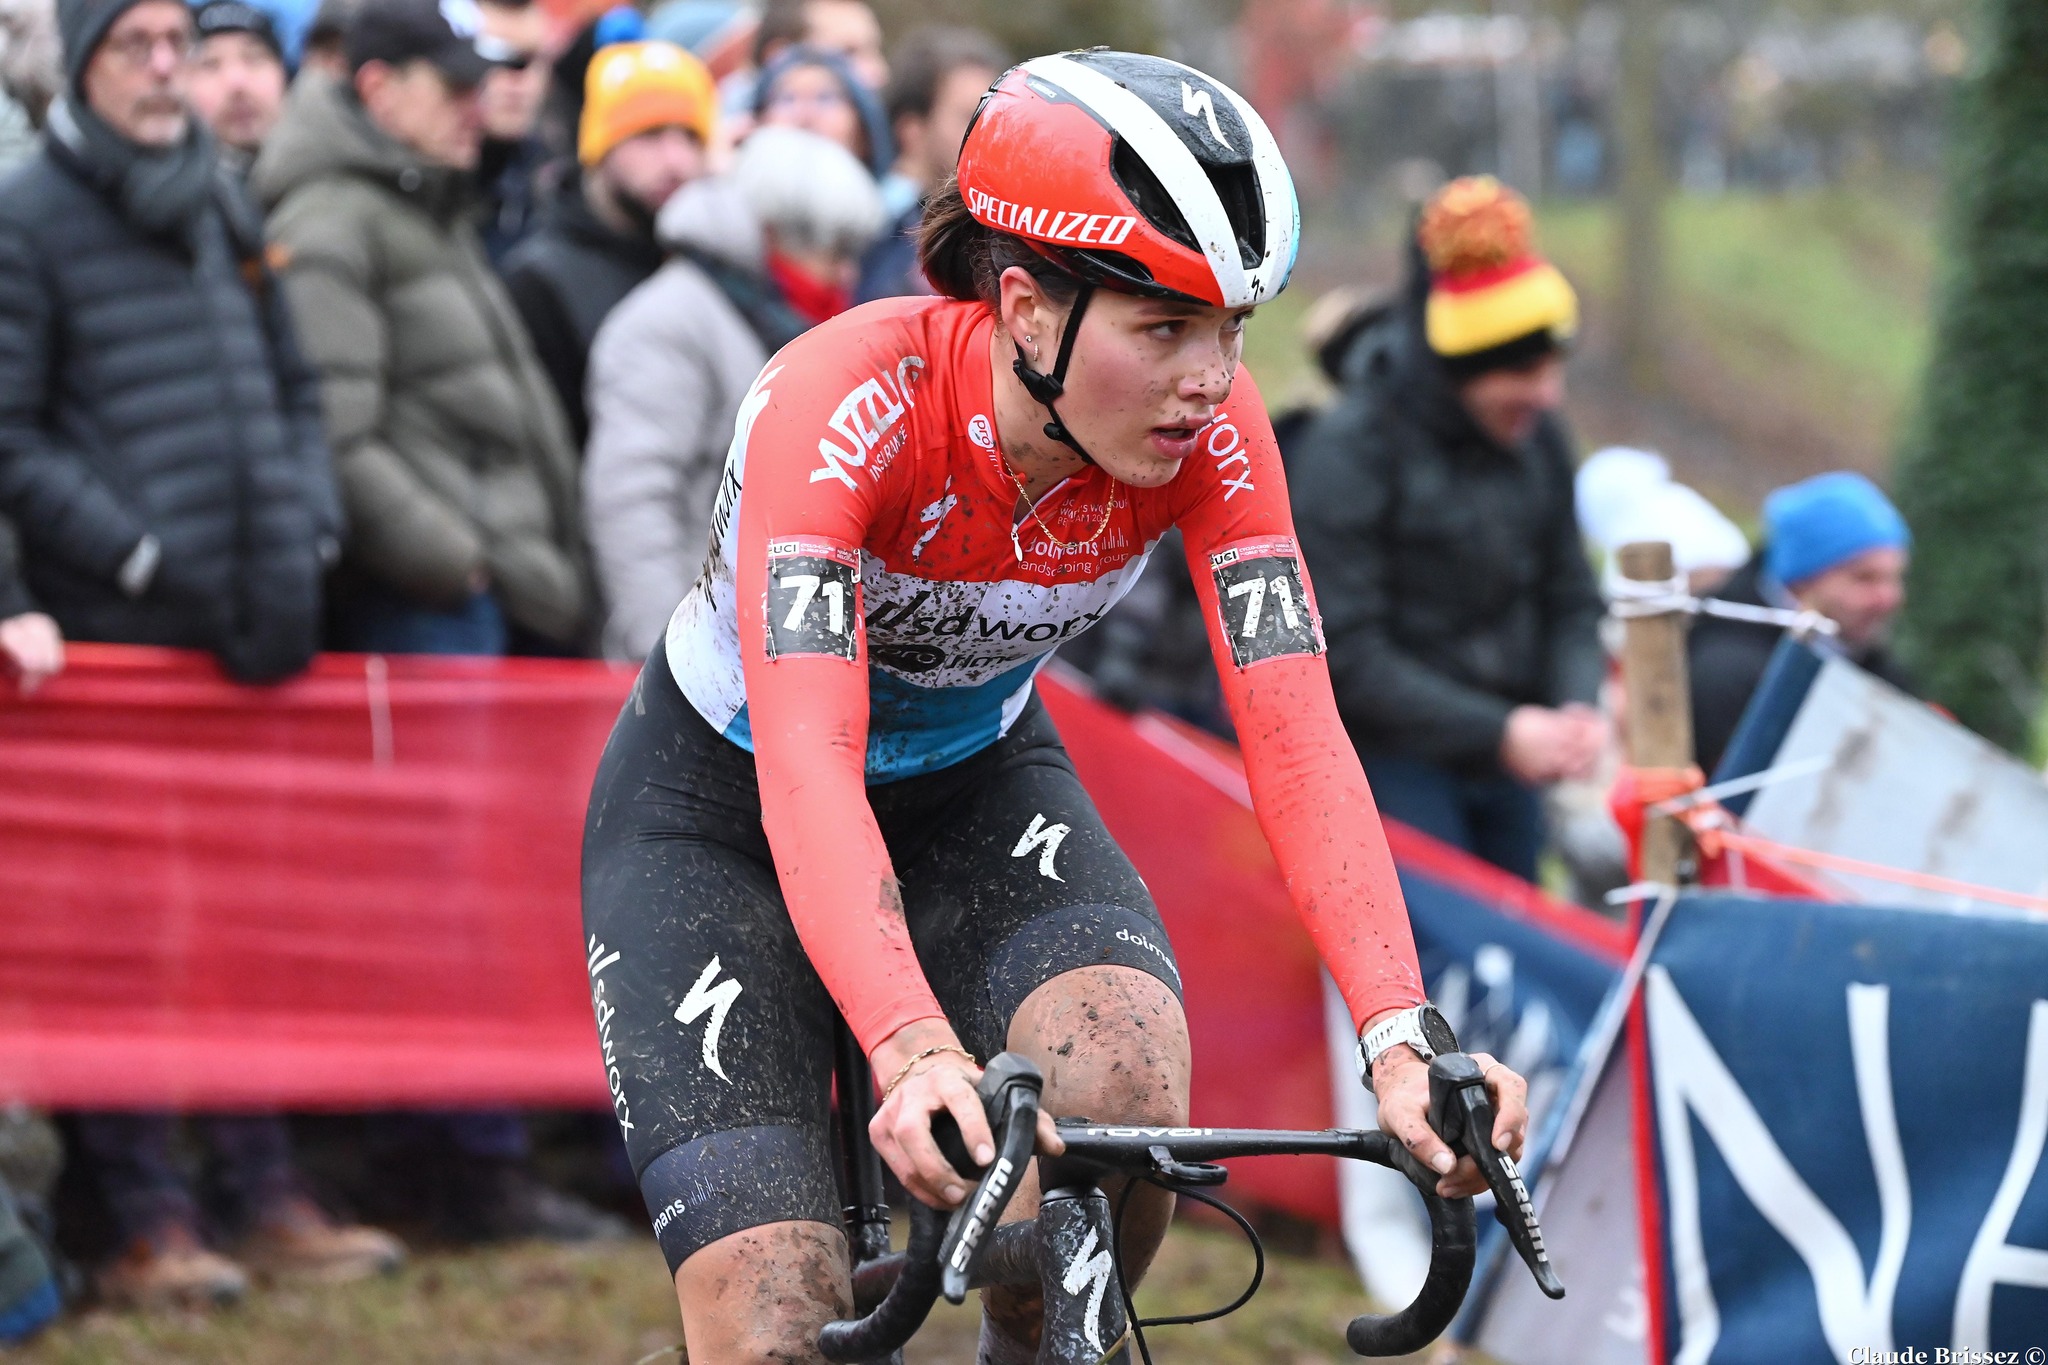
point(717, 1033)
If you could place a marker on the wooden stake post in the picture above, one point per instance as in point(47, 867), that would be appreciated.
point(1659, 701)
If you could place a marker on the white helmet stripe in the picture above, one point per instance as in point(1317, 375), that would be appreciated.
point(1282, 208)
point(1137, 123)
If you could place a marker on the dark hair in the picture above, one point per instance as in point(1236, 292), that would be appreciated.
point(926, 57)
point(783, 22)
point(965, 259)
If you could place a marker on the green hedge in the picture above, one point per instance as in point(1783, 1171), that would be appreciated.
point(1973, 478)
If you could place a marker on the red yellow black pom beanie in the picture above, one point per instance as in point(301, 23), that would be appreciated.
point(1493, 300)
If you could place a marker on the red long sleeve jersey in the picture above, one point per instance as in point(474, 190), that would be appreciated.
point(867, 614)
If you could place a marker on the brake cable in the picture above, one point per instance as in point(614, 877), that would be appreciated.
point(1116, 1234)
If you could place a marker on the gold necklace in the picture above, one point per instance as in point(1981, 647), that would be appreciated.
point(1108, 506)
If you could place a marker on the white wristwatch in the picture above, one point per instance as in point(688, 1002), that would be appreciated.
point(1423, 1028)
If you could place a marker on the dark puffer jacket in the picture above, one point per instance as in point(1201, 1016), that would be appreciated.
point(14, 598)
point(565, 280)
point(152, 386)
point(1449, 571)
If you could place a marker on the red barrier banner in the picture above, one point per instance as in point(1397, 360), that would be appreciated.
point(357, 888)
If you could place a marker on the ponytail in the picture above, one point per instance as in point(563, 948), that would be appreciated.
point(949, 243)
point(965, 259)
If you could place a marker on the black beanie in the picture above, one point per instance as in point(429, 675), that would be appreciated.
point(82, 24)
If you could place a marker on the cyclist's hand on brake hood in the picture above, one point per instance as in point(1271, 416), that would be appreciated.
point(945, 1080)
point(1401, 1081)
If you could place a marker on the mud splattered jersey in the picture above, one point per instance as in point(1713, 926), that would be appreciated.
point(871, 610)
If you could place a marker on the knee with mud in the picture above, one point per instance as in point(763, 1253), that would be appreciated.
point(1113, 1044)
point(760, 1296)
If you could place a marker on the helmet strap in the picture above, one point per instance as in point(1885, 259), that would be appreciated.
point(1049, 388)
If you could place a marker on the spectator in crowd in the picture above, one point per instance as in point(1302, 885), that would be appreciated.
point(31, 1157)
point(31, 645)
point(514, 167)
point(454, 460)
point(29, 1300)
point(569, 73)
point(161, 457)
point(816, 91)
point(1625, 495)
point(937, 81)
point(846, 28)
point(672, 362)
point(1434, 503)
point(325, 51)
point(31, 73)
point(238, 79)
point(1833, 544)
point(648, 119)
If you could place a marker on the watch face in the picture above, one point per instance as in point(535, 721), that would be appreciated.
point(1436, 1030)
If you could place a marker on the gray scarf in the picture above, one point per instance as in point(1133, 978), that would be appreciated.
point(162, 194)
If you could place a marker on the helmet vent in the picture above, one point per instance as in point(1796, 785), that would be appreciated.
point(1236, 186)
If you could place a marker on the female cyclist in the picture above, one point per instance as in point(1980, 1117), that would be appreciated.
point(833, 783)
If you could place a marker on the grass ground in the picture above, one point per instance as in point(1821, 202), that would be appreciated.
point(614, 1306)
point(1798, 323)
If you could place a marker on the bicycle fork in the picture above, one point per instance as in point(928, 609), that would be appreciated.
point(1084, 1311)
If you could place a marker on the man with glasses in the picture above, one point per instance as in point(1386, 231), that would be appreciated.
point(162, 461)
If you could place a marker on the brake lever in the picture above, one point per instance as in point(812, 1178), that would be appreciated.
point(1009, 1088)
point(1462, 1113)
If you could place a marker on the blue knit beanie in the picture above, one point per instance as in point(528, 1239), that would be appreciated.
point(1819, 522)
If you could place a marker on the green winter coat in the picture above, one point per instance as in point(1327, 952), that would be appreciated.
point(450, 448)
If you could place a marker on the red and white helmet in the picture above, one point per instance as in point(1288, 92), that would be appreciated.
point(1137, 174)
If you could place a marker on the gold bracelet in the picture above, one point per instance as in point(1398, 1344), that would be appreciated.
point(904, 1073)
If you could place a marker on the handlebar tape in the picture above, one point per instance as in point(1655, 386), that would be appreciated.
point(909, 1302)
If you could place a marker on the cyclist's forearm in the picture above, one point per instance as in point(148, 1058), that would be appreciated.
point(1318, 815)
point(810, 740)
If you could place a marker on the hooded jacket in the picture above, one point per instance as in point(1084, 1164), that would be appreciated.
point(1449, 570)
point(451, 451)
point(151, 386)
point(667, 373)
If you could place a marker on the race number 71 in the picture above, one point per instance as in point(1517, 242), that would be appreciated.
point(813, 606)
point(1266, 611)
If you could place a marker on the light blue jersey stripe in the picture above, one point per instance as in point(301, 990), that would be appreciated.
point(914, 730)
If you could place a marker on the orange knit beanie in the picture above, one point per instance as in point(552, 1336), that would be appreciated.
point(634, 88)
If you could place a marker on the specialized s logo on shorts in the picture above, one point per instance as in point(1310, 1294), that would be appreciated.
point(813, 599)
point(1265, 606)
point(705, 998)
point(1045, 837)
